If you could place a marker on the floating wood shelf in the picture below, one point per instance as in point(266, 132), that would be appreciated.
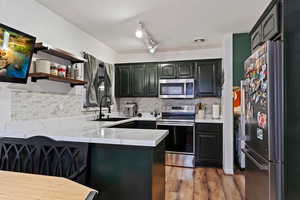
point(72, 82)
point(57, 52)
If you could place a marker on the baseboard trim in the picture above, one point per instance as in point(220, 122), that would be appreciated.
point(228, 171)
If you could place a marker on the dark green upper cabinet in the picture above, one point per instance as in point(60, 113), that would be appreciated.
point(256, 38)
point(185, 69)
point(123, 81)
point(142, 79)
point(138, 80)
point(209, 78)
point(267, 27)
point(168, 70)
point(270, 25)
point(151, 79)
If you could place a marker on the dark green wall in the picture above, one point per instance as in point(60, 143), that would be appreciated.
point(241, 51)
point(292, 106)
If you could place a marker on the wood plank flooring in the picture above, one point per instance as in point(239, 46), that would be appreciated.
point(203, 184)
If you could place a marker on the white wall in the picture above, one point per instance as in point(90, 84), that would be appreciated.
point(31, 17)
point(170, 56)
point(227, 105)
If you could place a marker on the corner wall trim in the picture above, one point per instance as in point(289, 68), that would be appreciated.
point(228, 171)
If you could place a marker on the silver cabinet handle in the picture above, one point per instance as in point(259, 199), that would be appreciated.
point(260, 166)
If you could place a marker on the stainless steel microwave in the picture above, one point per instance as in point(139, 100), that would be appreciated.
point(176, 88)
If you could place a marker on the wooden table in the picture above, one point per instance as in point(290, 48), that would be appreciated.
point(20, 186)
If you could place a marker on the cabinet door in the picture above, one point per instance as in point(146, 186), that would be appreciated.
point(138, 80)
point(207, 79)
point(123, 81)
point(270, 25)
point(208, 149)
point(151, 80)
point(167, 70)
point(256, 38)
point(185, 70)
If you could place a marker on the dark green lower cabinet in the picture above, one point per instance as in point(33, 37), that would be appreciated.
point(209, 145)
point(127, 172)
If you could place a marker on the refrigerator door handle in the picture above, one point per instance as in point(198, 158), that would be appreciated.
point(260, 166)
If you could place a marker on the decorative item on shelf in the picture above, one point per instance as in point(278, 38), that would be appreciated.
point(33, 67)
point(54, 69)
point(62, 70)
point(72, 72)
point(43, 66)
point(76, 73)
point(68, 74)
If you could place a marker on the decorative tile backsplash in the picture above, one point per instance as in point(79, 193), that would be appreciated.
point(156, 104)
point(28, 105)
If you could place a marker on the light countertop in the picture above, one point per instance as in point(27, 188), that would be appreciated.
point(208, 119)
point(82, 129)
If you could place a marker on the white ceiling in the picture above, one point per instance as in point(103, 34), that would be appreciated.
point(174, 23)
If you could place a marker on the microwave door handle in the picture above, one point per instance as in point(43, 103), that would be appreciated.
point(184, 89)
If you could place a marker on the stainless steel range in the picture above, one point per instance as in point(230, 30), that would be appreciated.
point(180, 143)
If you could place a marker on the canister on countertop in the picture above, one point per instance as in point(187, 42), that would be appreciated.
point(201, 111)
point(216, 111)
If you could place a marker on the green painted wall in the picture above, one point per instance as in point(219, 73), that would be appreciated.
point(241, 51)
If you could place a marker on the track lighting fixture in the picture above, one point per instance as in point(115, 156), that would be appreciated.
point(141, 33)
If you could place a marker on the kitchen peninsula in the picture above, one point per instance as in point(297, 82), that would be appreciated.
point(122, 163)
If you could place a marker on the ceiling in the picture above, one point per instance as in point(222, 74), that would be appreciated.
point(173, 23)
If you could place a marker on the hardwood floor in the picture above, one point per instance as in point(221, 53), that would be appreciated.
point(203, 184)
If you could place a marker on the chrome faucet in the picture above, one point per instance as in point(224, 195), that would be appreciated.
point(107, 104)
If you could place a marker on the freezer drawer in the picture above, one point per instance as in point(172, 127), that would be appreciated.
point(263, 178)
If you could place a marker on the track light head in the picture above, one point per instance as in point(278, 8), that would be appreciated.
point(139, 33)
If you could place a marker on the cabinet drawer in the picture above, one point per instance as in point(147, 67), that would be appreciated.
point(201, 127)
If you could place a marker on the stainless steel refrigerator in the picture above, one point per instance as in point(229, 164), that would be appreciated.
point(264, 123)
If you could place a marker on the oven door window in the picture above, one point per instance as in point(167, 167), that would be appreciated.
point(180, 138)
point(171, 89)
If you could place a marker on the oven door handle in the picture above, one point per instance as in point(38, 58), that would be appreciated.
point(174, 124)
